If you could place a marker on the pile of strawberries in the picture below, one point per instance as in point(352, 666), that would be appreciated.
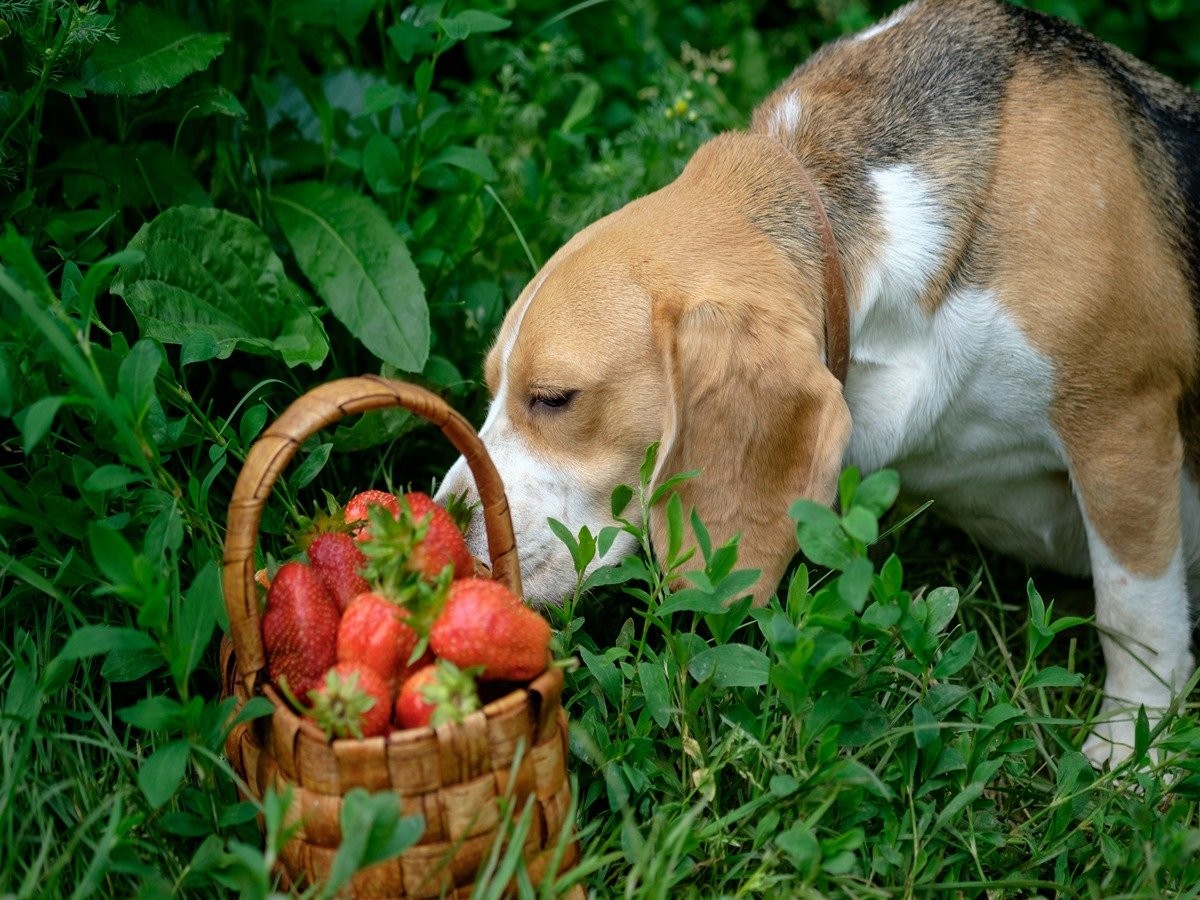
point(384, 627)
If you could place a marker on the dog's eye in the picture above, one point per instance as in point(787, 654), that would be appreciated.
point(552, 400)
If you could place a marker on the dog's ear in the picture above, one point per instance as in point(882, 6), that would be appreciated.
point(752, 406)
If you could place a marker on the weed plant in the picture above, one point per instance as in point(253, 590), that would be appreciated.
point(210, 207)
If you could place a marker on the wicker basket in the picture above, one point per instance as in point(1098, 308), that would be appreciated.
point(454, 775)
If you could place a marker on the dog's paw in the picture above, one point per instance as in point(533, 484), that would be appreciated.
point(1110, 743)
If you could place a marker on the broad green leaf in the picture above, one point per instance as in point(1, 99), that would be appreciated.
point(197, 620)
point(135, 379)
point(854, 583)
point(861, 525)
point(312, 465)
point(155, 713)
point(154, 49)
point(110, 478)
point(93, 640)
point(360, 267)
point(654, 689)
point(160, 775)
point(382, 167)
point(468, 159)
point(605, 673)
point(878, 491)
point(957, 656)
point(621, 496)
point(372, 831)
point(471, 21)
point(211, 271)
point(583, 106)
point(35, 420)
point(1055, 676)
point(731, 665)
point(942, 604)
point(967, 795)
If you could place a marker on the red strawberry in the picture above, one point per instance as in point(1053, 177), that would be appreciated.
point(484, 624)
point(373, 633)
point(434, 695)
point(443, 543)
point(360, 504)
point(352, 701)
point(414, 552)
point(336, 558)
point(299, 629)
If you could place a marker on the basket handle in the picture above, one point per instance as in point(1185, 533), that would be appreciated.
point(271, 454)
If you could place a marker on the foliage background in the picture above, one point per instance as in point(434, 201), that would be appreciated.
point(212, 206)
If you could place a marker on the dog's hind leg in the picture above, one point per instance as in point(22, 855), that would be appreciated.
point(1127, 473)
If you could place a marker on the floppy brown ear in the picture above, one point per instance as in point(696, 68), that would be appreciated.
point(752, 406)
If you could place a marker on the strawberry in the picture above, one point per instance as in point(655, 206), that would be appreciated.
point(357, 510)
point(443, 543)
point(373, 633)
point(352, 701)
point(336, 558)
point(299, 629)
point(413, 552)
point(436, 694)
point(484, 624)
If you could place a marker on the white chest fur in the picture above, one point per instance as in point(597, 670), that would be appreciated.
point(957, 401)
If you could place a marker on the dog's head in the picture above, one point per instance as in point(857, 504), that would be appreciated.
point(689, 317)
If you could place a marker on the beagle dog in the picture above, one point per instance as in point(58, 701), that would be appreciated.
point(1009, 210)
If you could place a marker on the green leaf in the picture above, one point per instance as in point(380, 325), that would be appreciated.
point(360, 267)
point(135, 379)
point(1055, 676)
point(942, 604)
point(110, 478)
point(468, 159)
point(372, 831)
point(582, 107)
point(471, 21)
point(94, 640)
point(312, 465)
point(606, 674)
point(1141, 735)
point(35, 420)
point(254, 708)
point(154, 49)
point(621, 496)
point(925, 726)
point(854, 583)
point(382, 167)
point(957, 656)
point(160, 775)
point(861, 525)
point(731, 665)
point(197, 620)
point(655, 691)
point(967, 795)
point(156, 713)
point(210, 272)
point(878, 491)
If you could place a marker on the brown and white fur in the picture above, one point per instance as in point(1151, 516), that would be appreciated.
point(1016, 208)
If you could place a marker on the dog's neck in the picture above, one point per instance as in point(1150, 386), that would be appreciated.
point(837, 310)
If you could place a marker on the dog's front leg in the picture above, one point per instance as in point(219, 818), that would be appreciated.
point(1128, 476)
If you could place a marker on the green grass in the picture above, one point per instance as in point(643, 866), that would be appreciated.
point(902, 721)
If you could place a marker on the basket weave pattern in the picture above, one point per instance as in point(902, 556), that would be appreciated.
point(454, 776)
